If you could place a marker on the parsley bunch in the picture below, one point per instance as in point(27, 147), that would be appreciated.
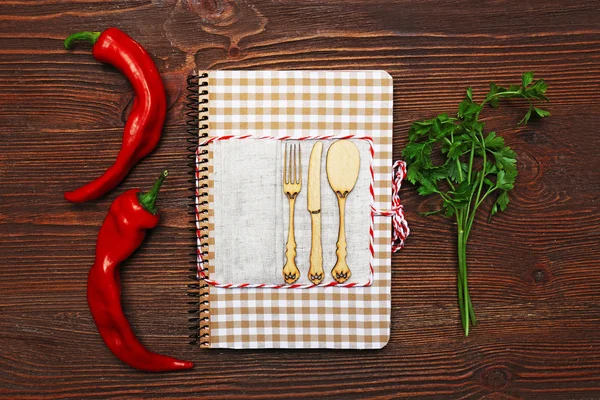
point(475, 166)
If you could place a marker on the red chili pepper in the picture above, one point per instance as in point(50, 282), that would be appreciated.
point(123, 230)
point(145, 123)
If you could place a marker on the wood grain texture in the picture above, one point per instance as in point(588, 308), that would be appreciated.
point(534, 272)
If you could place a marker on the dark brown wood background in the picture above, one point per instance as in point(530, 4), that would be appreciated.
point(534, 271)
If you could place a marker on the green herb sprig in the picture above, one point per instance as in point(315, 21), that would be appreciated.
point(476, 166)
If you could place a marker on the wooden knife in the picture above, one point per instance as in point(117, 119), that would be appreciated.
point(315, 273)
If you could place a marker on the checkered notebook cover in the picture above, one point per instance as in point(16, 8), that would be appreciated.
point(297, 105)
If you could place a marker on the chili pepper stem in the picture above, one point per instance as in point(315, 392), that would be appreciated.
point(148, 200)
point(91, 37)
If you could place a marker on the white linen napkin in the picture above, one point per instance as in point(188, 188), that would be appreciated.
point(251, 214)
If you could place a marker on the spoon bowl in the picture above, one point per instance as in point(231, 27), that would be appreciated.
point(343, 163)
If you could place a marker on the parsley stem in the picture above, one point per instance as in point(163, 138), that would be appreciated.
point(499, 94)
point(485, 195)
point(472, 217)
point(467, 311)
point(458, 167)
point(461, 276)
point(471, 160)
point(444, 196)
point(470, 173)
point(478, 199)
point(459, 285)
point(483, 171)
point(470, 308)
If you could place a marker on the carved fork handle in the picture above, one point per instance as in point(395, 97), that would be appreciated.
point(290, 270)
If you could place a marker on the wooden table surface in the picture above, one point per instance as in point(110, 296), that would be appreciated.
point(534, 271)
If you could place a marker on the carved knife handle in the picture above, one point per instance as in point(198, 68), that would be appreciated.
point(315, 273)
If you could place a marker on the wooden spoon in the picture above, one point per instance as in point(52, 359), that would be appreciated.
point(343, 163)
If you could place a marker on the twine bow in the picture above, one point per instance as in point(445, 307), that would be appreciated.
point(400, 230)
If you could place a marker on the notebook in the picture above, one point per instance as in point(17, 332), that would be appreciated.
point(239, 124)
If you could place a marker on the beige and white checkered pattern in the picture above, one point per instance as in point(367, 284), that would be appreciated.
point(298, 104)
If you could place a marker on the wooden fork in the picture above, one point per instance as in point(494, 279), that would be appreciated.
point(292, 183)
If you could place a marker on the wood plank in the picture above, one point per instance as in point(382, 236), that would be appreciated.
point(533, 270)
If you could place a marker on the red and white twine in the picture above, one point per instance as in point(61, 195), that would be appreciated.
point(399, 225)
point(400, 229)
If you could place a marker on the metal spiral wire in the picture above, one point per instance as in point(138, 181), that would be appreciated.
point(197, 129)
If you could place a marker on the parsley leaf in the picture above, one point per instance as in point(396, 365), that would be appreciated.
point(527, 79)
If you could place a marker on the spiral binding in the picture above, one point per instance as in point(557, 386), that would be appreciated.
point(197, 122)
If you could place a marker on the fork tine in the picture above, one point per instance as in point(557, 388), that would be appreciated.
point(295, 164)
point(284, 160)
point(290, 164)
point(299, 165)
